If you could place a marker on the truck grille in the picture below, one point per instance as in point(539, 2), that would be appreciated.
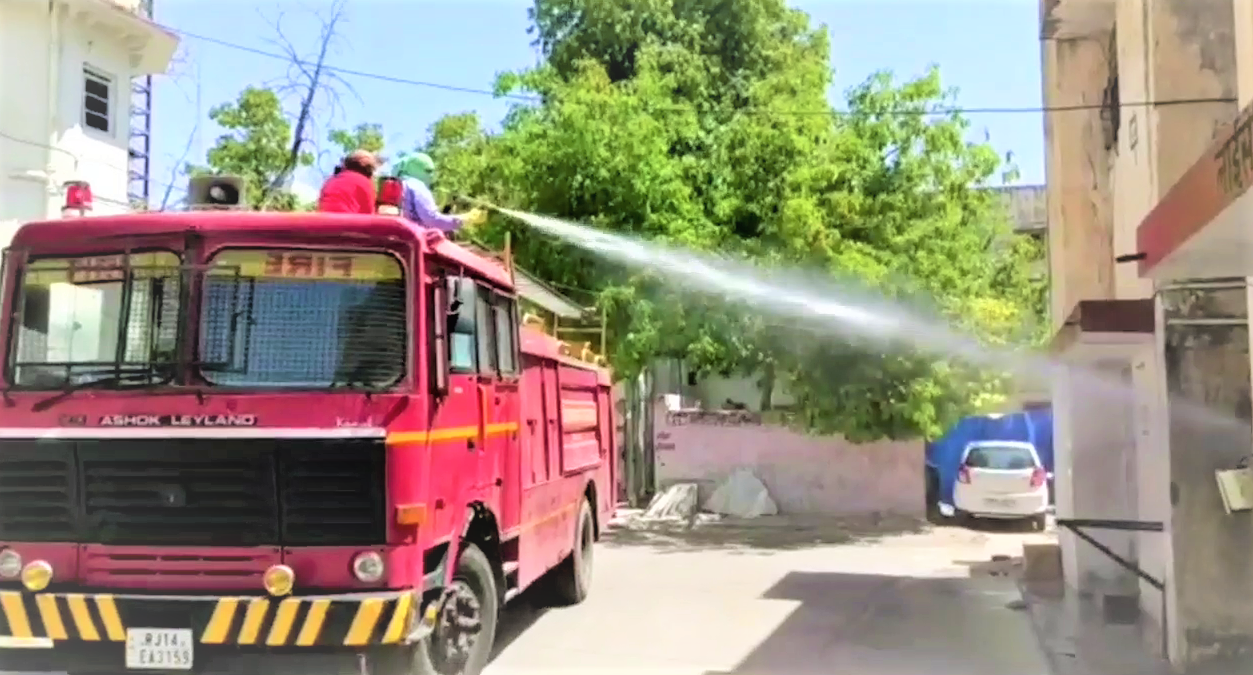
point(191, 492)
point(37, 501)
point(332, 494)
point(195, 492)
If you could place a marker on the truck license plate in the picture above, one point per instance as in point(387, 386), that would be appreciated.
point(158, 649)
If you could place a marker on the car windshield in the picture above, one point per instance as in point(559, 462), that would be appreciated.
point(93, 317)
point(303, 319)
point(1000, 457)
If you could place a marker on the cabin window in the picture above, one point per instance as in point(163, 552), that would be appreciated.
point(461, 333)
point(486, 337)
point(506, 335)
point(86, 318)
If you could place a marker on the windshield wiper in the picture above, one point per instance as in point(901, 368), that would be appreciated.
point(148, 375)
point(353, 384)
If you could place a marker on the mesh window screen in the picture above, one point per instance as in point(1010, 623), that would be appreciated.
point(79, 319)
point(264, 325)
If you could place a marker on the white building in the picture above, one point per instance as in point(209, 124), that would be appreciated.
point(66, 68)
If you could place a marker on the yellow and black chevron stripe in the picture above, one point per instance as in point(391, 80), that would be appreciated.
point(270, 622)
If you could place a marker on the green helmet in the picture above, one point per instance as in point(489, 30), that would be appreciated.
point(417, 165)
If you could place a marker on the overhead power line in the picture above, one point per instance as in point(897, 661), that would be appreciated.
point(993, 110)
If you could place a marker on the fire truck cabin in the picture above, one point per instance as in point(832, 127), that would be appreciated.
point(324, 440)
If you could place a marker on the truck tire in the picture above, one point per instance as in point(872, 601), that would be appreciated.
point(463, 637)
point(572, 579)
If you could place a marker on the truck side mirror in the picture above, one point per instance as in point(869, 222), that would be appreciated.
point(439, 341)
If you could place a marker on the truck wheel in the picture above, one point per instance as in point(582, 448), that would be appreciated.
point(572, 579)
point(461, 642)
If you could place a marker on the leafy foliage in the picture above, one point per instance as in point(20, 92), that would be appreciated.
point(705, 123)
point(256, 146)
point(257, 143)
point(365, 136)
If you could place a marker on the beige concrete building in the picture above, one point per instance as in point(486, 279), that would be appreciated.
point(1142, 165)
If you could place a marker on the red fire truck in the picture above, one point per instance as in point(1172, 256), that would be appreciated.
point(322, 441)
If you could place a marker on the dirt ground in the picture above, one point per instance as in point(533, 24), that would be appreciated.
point(880, 594)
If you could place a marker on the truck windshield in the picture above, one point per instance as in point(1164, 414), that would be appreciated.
point(90, 318)
point(303, 319)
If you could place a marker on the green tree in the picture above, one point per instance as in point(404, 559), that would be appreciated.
point(256, 146)
point(705, 123)
point(364, 136)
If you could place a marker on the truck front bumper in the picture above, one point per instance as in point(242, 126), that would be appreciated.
point(43, 627)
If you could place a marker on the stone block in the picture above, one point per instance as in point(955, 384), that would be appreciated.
point(1042, 562)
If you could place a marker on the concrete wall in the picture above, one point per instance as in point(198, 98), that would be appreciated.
point(1191, 57)
point(1133, 174)
point(1152, 461)
point(1105, 473)
point(1207, 366)
point(1111, 464)
point(805, 474)
point(1080, 239)
point(1200, 49)
point(1175, 68)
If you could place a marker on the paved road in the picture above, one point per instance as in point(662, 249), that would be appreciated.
point(783, 602)
point(783, 599)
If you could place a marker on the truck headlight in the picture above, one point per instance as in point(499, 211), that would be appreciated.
point(368, 567)
point(10, 564)
point(37, 575)
point(279, 580)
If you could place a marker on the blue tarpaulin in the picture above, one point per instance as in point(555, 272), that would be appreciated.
point(944, 454)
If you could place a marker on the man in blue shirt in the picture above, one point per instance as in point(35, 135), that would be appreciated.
point(416, 172)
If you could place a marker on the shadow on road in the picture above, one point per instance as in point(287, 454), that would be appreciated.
point(770, 533)
point(518, 616)
point(867, 624)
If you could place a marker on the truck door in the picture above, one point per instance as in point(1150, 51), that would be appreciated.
point(504, 433)
point(498, 402)
point(455, 432)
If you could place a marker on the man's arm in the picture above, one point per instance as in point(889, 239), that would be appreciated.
point(426, 211)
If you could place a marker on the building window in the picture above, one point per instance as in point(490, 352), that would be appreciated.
point(97, 100)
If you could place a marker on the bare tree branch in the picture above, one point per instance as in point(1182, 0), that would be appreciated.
point(314, 88)
point(182, 69)
point(179, 163)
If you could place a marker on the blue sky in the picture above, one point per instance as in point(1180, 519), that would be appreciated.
point(989, 49)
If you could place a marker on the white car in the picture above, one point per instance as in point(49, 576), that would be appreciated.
point(1002, 479)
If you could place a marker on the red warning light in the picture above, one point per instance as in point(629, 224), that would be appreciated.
point(78, 199)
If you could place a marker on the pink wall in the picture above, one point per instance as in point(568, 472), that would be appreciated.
point(804, 474)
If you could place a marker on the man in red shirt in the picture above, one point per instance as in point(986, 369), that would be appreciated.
point(351, 190)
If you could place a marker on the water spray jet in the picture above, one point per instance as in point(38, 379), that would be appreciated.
point(827, 306)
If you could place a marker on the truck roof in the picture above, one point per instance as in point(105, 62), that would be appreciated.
point(56, 233)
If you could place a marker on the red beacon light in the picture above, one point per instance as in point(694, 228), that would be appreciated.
point(78, 199)
point(391, 194)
